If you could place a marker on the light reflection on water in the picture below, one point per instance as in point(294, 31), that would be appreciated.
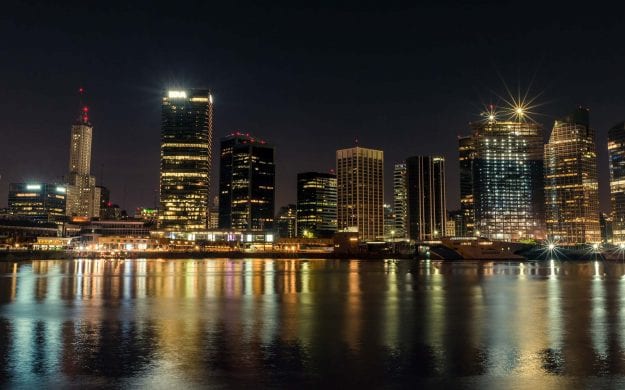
point(277, 322)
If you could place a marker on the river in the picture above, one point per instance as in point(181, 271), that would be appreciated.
point(308, 323)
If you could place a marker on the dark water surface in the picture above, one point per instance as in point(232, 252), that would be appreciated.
point(287, 323)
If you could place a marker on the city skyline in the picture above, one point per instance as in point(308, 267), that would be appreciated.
point(286, 99)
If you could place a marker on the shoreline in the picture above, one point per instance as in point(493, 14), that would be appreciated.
point(9, 256)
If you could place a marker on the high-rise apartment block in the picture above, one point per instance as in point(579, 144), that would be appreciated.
point(427, 210)
point(400, 201)
point(505, 159)
point(186, 140)
point(82, 197)
point(246, 183)
point(316, 204)
point(571, 188)
point(616, 151)
point(360, 190)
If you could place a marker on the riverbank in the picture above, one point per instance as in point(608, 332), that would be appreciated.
point(68, 255)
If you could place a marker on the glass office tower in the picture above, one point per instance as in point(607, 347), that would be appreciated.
point(316, 204)
point(427, 210)
point(400, 201)
point(616, 151)
point(571, 188)
point(246, 183)
point(41, 202)
point(186, 140)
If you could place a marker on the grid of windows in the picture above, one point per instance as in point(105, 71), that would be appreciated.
point(507, 170)
point(571, 188)
point(316, 204)
point(616, 150)
point(427, 210)
point(186, 134)
point(400, 201)
point(360, 192)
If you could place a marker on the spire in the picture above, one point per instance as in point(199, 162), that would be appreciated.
point(83, 116)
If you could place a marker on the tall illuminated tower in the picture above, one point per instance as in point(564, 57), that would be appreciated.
point(507, 178)
point(400, 201)
point(360, 192)
point(616, 150)
point(83, 197)
point(427, 210)
point(186, 141)
point(571, 189)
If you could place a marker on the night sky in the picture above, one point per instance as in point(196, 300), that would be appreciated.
point(309, 79)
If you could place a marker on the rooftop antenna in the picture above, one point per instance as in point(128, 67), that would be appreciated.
point(83, 118)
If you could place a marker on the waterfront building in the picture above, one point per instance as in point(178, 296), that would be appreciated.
point(400, 200)
point(360, 192)
point(456, 218)
point(466, 152)
point(41, 202)
point(316, 204)
point(213, 214)
point(616, 155)
point(83, 197)
point(427, 210)
point(246, 183)
point(389, 222)
point(186, 141)
point(286, 219)
point(506, 161)
point(606, 226)
point(571, 189)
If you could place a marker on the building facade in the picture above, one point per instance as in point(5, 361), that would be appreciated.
point(400, 200)
point(39, 202)
point(571, 188)
point(286, 220)
point(427, 210)
point(616, 155)
point(246, 184)
point(360, 192)
point(316, 204)
point(82, 195)
point(506, 162)
point(186, 141)
point(466, 152)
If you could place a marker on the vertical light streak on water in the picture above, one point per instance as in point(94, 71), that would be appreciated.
point(554, 304)
point(23, 318)
point(621, 313)
point(502, 314)
point(598, 331)
point(353, 309)
point(435, 314)
point(391, 312)
point(269, 305)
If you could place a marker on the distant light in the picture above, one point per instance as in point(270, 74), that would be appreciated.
point(491, 117)
point(177, 94)
point(551, 246)
point(622, 245)
point(595, 246)
point(60, 190)
point(519, 111)
point(33, 187)
point(210, 98)
point(269, 238)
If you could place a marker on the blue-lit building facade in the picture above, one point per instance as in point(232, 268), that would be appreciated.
point(246, 184)
point(506, 161)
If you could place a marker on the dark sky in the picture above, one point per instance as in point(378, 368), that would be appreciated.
point(308, 78)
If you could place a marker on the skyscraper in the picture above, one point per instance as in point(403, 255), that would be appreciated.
point(616, 150)
point(466, 150)
point(186, 140)
point(507, 170)
point(316, 204)
point(83, 197)
point(40, 202)
point(400, 200)
point(427, 210)
point(246, 183)
point(360, 190)
point(571, 189)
